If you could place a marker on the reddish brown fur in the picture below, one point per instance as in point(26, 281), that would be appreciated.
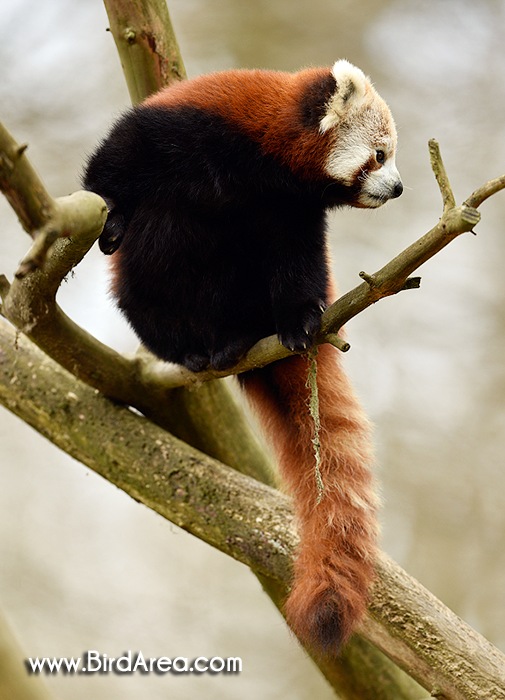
point(263, 104)
point(115, 267)
point(335, 564)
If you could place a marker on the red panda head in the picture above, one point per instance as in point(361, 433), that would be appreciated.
point(363, 138)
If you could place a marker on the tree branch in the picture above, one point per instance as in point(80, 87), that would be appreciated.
point(146, 44)
point(247, 520)
point(21, 185)
point(44, 218)
point(437, 165)
point(487, 190)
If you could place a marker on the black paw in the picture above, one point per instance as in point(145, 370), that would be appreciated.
point(112, 234)
point(298, 328)
point(196, 362)
point(230, 355)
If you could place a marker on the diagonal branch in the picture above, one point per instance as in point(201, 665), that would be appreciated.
point(223, 508)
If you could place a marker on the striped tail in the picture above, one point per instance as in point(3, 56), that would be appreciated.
point(335, 564)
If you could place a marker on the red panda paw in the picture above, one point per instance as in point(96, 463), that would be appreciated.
point(231, 354)
point(298, 327)
point(196, 362)
point(113, 233)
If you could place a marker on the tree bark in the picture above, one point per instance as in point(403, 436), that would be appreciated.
point(247, 520)
point(146, 45)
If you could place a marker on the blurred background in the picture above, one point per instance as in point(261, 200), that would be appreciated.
point(82, 566)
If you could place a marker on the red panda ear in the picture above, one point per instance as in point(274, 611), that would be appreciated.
point(351, 88)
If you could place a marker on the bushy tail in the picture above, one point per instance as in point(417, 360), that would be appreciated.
point(335, 563)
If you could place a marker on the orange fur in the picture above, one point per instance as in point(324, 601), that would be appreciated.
point(335, 563)
point(274, 99)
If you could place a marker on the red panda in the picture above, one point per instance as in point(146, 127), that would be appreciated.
point(217, 189)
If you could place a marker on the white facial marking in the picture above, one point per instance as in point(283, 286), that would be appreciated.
point(362, 125)
point(351, 152)
point(379, 185)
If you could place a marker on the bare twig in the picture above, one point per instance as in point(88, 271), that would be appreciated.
point(437, 165)
point(486, 190)
point(44, 218)
point(394, 277)
point(22, 186)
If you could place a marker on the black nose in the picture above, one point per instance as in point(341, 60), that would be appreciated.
point(397, 190)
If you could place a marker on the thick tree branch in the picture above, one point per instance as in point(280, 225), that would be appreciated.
point(247, 520)
point(146, 45)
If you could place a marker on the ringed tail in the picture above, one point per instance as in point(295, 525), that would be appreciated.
point(336, 560)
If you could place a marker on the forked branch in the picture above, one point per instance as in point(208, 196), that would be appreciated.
point(45, 219)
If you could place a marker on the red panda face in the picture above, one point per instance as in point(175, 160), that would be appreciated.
point(363, 137)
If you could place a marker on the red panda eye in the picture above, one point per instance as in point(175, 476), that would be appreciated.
point(380, 156)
